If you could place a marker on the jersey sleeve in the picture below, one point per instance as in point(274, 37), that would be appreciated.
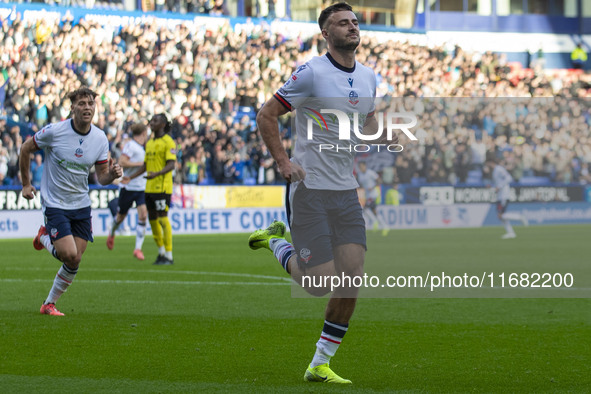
point(170, 149)
point(44, 137)
point(298, 86)
point(103, 154)
point(127, 150)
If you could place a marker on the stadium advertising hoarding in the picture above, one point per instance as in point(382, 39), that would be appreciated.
point(11, 199)
point(447, 195)
point(212, 197)
point(184, 196)
point(24, 224)
point(208, 197)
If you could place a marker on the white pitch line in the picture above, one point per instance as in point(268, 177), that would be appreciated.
point(151, 282)
point(152, 271)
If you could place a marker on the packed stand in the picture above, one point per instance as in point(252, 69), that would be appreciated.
point(212, 83)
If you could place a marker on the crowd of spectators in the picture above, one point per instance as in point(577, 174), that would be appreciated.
point(213, 82)
point(209, 7)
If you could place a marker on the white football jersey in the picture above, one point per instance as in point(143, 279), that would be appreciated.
point(502, 179)
point(136, 153)
point(323, 84)
point(69, 156)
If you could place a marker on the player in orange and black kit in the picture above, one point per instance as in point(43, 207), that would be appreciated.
point(159, 163)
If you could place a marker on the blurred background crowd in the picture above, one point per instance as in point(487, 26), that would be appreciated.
point(212, 82)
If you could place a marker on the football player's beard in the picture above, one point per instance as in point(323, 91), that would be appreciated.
point(347, 46)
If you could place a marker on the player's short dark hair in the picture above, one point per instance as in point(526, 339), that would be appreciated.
point(331, 9)
point(138, 128)
point(81, 92)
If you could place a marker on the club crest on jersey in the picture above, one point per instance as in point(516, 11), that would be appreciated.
point(79, 153)
point(353, 97)
point(54, 232)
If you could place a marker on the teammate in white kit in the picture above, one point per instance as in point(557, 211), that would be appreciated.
point(501, 182)
point(326, 219)
point(71, 148)
point(132, 157)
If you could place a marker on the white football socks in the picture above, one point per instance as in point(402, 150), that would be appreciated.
point(62, 281)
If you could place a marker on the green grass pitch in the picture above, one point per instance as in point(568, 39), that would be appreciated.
point(222, 319)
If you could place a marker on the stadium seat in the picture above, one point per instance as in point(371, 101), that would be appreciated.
point(474, 177)
point(534, 180)
point(245, 110)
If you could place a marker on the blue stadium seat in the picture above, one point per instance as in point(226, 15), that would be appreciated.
point(246, 110)
point(250, 181)
point(535, 180)
point(474, 177)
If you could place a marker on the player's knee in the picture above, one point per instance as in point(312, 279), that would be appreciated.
point(71, 259)
point(319, 281)
point(354, 271)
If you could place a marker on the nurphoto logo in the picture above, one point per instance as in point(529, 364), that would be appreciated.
point(318, 121)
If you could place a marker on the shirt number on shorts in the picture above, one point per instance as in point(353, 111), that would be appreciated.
point(160, 205)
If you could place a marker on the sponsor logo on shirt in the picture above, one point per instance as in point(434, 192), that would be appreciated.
point(71, 165)
point(300, 68)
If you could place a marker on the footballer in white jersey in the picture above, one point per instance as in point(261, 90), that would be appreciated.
point(134, 152)
point(502, 182)
point(323, 84)
point(71, 148)
point(326, 219)
point(132, 158)
point(69, 156)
